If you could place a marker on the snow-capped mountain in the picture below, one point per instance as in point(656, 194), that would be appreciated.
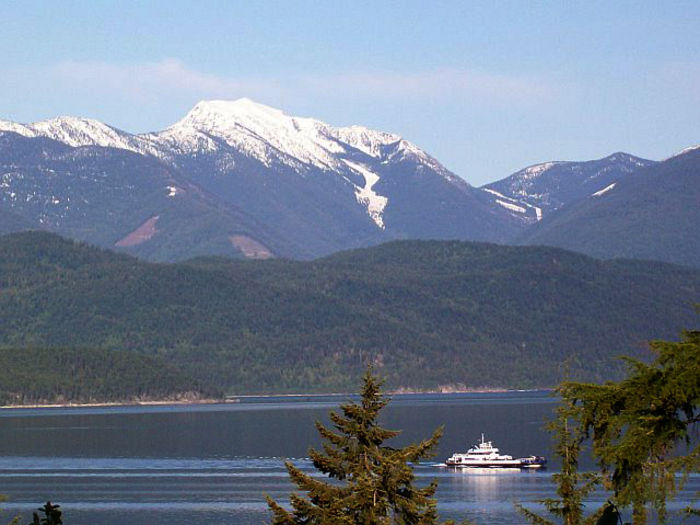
point(537, 190)
point(315, 187)
point(276, 140)
point(75, 132)
point(238, 177)
point(271, 136)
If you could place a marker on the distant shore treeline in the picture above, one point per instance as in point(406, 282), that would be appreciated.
point(80, 375)
point(429, 315)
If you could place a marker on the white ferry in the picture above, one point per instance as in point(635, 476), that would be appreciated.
point(484, 454)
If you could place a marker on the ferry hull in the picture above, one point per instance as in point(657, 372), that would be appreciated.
point(498, 464)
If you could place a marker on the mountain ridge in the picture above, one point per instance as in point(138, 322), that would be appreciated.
point(230, 120)
point(319, 188)
point(546, 187)
point(653, 215)
point(239, 178)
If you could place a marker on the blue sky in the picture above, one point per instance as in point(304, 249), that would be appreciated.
point(486, 87)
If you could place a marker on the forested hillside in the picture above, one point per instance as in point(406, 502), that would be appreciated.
point(82, 375)
point(426, 313)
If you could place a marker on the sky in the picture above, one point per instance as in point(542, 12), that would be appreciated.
point(487, 88)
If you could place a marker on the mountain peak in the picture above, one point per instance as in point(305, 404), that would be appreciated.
point(222, 117)
point(621, 156)
point(552, 185)
point(261, 131)
point(254, 127)
point(231, 108)
point(217, 116)
point(73, 131)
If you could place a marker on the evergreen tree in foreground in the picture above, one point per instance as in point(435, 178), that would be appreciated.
point(642, 427)
point(371, 483)
point(572, 486)
point(52, 515)
point(642, 432)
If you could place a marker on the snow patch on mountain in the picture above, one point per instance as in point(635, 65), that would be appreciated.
point(536, 170)
point(511, 206)
point(520, 184)
point(514, 205)
point(366, 196)
point(175, 141)
point(497, 194)
point(174, 191)
point(507, 202)
point(604, 190)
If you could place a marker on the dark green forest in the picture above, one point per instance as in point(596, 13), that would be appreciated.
point(426, 314)
point(81, 375)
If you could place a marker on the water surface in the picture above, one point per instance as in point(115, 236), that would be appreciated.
point(211, 464)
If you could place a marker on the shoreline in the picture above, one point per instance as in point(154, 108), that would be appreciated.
point(103, 404)
point(232, 399)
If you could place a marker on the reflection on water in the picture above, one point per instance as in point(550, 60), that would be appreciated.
point(212, 464)
point(482, 484)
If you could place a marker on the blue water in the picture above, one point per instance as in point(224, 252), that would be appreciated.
point(212, 464)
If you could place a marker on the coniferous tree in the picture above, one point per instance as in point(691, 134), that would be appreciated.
point(638, 425)
point(572, 486)
point(370, 482)
point(52, 515)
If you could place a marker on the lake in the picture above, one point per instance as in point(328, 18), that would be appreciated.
point(212, 464)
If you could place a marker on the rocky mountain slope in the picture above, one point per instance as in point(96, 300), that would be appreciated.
point(652, 214)
point(534, 192)
point(115, 198)
point(310, 188)
point(243, 179)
